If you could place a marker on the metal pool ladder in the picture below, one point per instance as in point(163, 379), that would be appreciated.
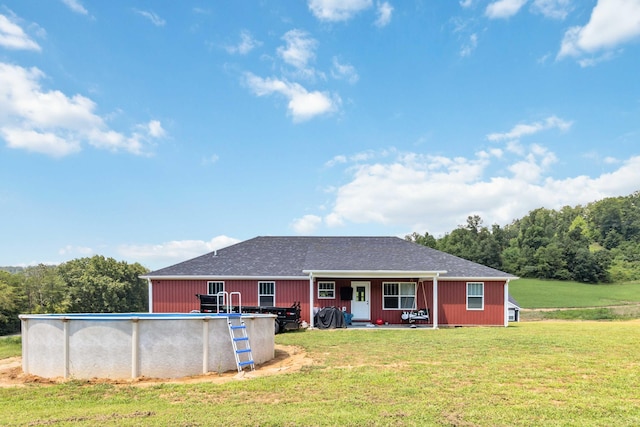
point(239, 337)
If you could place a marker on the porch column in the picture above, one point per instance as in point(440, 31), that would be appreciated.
point(150, 290)
point(506, 303)
point(310, 300)
point(435, 302)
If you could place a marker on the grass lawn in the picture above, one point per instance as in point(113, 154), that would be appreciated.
point(535, 293)
point(536, 373)
point(10, 346)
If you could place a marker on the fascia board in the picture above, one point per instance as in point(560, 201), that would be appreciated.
point(479, 279)
point(374, 273)
point(214, 277)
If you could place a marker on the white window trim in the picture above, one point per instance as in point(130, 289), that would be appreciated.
point(210, 282)
point(333, 290)
point(415, 295)
point(221, 298)
point(475, 296)
point(265, 295)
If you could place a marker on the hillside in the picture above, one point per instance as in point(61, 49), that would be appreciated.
point(596, 243)
point(12, 270)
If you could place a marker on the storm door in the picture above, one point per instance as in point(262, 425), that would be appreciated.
point(360, 307)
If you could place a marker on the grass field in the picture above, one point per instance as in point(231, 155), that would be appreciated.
point(535, 373)
point(10, 346)
point(535, 293)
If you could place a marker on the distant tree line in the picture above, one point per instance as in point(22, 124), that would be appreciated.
point(596, 243)
point(84, 285)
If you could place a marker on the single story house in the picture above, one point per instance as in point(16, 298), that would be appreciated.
point(372, 278)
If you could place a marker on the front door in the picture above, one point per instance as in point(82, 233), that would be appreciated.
point(360, 303)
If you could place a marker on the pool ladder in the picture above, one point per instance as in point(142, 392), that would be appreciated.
point(240, 342)
point(238, 333)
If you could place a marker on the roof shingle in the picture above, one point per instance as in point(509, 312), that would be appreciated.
point(291, 256)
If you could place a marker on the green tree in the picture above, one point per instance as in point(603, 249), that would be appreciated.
point(10, 303)
point(104, 285)
point(425, 239)
point(44, 290)
point(599, 242)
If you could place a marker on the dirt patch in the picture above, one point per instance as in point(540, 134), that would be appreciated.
point(287, 359)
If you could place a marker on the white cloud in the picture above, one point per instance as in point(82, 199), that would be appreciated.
point(44, 143)
point(339, 159)
point(593, 61)
point(384, 14)
point(13, 37)
point(154, 128)
point(554, 9)
point(247, 44)
point(470, 46)
point(51, 123)
point(521, 130)
point(530, 169)
point(174, 251)
point(363, 156)
point(436, 193)
point(337, 10)
point(303, 105)
point(466, 3)
point(151, 16)
point(212, 159)
point(201, 11)
point(612, 23)
point(504, 8)
point(344, 71)
point(299, 49)
point(76, 250)
point(75, 6)
point(307, 224)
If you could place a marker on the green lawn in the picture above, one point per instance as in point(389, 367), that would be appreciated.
point(536, 373)
point(535, 293)
point(10, 346)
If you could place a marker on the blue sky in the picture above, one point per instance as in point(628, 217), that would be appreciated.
point(153, 132)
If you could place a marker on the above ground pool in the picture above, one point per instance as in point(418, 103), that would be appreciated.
point(120, 346)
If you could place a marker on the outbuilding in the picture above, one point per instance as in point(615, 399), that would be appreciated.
point(374, 279)
point(514, 310)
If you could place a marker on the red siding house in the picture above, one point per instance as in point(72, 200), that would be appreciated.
point(373, 278)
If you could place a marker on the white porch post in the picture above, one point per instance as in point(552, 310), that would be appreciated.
point(310, 300)
point(506, 303)
point(435, 302)
point(150, 290)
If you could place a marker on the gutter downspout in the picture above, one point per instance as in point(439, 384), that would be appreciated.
point(150, 290)
point(310, 300)
point(435, 301)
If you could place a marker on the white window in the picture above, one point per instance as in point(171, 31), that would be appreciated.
point(214, 288)
point(475, 296)
point(266, 294)
point(399, 296)
point(326, 290)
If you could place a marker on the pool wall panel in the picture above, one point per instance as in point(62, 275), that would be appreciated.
point(137, 345)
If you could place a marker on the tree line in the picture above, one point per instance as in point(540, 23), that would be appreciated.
point(596, 243)
point(84, 285)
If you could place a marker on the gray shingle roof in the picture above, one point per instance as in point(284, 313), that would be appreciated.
point(292, 256)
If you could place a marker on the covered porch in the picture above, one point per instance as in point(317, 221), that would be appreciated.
point(376, 296)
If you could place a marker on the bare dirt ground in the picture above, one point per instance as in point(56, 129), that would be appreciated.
point(287, 359)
